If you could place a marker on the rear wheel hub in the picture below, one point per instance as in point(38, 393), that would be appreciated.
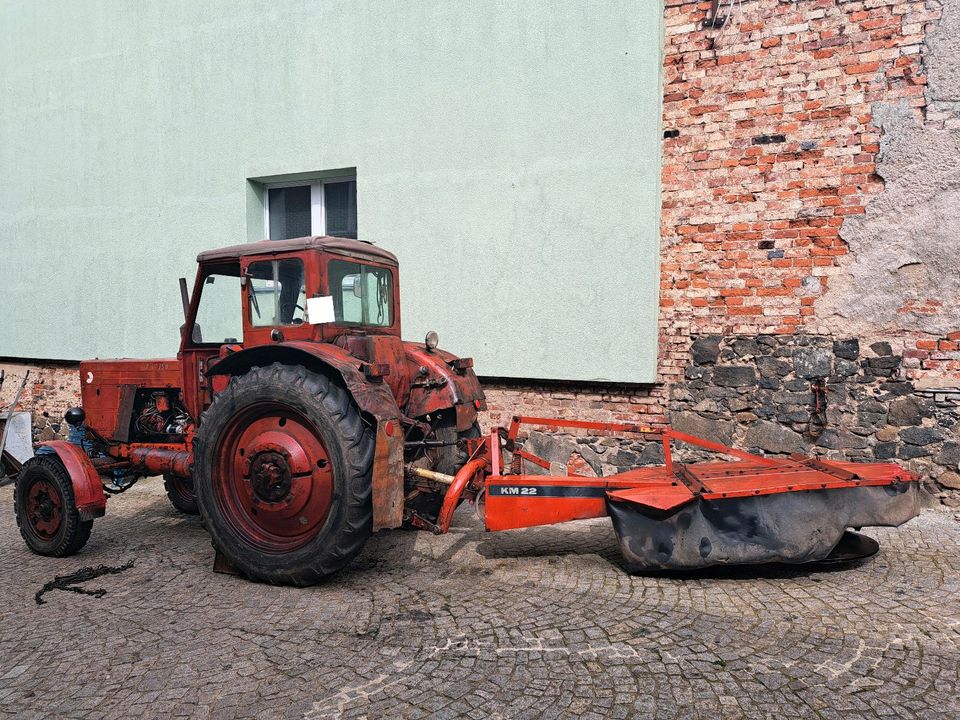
point(270, 476)
point(274, 479)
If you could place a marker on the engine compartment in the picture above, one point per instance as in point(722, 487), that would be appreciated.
point(114, 392)
point(158, 415)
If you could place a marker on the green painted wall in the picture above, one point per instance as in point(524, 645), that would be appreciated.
point(507, 152)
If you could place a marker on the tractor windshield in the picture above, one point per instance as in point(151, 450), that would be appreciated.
point(276, 293)
point(362, 294)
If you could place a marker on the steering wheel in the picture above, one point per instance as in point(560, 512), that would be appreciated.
point(284, 307)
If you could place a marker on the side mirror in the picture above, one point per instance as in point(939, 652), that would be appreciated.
point(352, 283)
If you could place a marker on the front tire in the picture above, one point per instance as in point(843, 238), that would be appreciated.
point(46, 510)
point(283, 479)
point(181, 494)
point(448, 461)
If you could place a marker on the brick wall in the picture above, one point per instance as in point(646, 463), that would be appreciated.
point(51, 388)
point(776, 148)
point(771, 145)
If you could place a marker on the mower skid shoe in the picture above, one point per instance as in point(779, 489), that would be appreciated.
point(788, 527)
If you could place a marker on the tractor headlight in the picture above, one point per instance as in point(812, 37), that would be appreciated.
point(431, 340)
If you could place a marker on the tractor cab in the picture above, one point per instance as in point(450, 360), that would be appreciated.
point(311, 290)
point(307, 289)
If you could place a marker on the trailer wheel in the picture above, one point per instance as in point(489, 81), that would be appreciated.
point(46, 509)
point(284, 462)
point(180, 493)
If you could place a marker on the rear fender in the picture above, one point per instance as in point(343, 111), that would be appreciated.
point(372, 396)
point(87, 488)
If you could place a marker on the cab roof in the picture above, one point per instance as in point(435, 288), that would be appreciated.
point(359, 249)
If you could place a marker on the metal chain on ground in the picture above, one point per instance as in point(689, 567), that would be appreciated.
point(69, 582)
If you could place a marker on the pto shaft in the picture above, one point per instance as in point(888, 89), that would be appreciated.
point(430, 474)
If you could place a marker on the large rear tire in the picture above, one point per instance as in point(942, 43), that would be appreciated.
point(46, 510)
point(283, 476)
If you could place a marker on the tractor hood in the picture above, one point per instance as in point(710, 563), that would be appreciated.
point(441, 380)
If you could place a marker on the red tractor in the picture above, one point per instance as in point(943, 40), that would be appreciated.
point(296, 421)
point(286, 418)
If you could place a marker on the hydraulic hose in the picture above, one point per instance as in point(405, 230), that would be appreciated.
point(452, 498)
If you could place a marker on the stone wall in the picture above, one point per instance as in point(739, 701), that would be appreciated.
point(814, 394)
point(781, 394)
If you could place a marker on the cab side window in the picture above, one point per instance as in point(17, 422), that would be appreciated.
point(362, 294)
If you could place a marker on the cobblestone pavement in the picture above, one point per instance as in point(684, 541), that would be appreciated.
point(533, 623)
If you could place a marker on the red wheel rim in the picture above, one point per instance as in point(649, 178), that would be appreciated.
point(44, 509)
point(272, 477)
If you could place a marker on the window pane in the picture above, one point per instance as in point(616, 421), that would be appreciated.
point(377, 294)
point(344, 278)
point(340, 206)
point(362, 294)
point(289, 212)
point(218, 314)
point(276, 293)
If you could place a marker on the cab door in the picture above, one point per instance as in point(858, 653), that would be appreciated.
point(215, 319)
point(275, 289)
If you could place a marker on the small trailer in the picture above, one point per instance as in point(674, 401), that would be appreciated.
point(16, 434)
point(296, 421)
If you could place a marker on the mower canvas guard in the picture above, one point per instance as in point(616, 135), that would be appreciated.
point(684, 516)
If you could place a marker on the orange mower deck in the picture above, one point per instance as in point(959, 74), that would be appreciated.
point(685, 516)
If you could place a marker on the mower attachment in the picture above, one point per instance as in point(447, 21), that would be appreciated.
point(686, 516)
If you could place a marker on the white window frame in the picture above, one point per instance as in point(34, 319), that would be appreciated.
point(318, 214)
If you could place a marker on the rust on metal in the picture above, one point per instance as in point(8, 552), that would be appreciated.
point(162, 461)
point(386, 491)
point(431, 475)
point(87, 489)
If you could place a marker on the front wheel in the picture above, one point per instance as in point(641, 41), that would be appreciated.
point(180, 493)
point(46, 510)
point(447, 460)
point(284, 462)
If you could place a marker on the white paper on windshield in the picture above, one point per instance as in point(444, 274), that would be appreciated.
point(320, 310)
